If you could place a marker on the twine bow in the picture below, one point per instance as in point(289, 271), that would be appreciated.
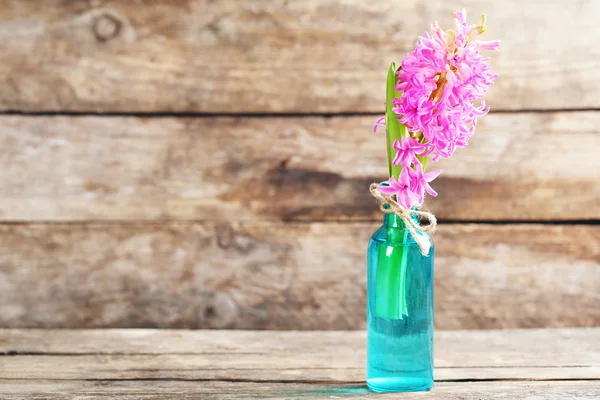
point(388, 205)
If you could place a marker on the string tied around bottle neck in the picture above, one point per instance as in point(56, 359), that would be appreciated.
point(389, 205)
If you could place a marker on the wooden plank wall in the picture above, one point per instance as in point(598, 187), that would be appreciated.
point(194, 164)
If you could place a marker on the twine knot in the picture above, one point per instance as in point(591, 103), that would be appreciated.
point(388, 205)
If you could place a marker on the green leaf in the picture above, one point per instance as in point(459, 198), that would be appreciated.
point(394, 129)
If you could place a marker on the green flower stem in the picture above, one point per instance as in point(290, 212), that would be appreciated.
point(403, 265)
point(392, 264)
point(389, 278)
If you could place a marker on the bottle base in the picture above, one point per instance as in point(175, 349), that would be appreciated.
point(399, 384)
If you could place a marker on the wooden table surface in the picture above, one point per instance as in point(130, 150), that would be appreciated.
point(205, 364)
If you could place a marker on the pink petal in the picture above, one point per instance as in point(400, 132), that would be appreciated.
point(387, 190)
point(461, 16)
point(430, 190)
point(404, 199)
point(378, 123)
point(488, 45)
point(429, 176)
point(404, 177)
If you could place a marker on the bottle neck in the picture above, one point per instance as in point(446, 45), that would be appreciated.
point(391, 220)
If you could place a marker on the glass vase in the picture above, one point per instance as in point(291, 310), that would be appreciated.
point(399, 310)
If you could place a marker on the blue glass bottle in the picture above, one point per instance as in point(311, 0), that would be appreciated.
point(399, 311)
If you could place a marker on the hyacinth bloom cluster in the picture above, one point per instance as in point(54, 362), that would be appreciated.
point(431, 107)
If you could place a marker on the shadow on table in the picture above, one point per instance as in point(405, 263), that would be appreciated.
point(340, 390)
point(327, 391)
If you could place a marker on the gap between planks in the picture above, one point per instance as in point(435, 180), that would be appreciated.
point(474, 367)
point(288, 382)
point(167, 114)
point(181, 222)
point(241, 390)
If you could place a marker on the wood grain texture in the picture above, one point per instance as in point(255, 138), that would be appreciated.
point(274, 55)
point(163, 390)
point(285, 276)
point(326, 368)
point(294, 356)
point(517, 167)
point(506, 348)
point(249, 364)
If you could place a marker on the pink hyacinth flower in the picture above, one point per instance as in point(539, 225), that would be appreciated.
point(406, 151)
point(401, 189)
point(440, 81)
point(441, 85)
point(419, 182)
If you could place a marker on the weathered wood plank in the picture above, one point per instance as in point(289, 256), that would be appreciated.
point(324, 368)
point(314, 357)
point(274, 55)
point(285, 276)
point(564, 347)
point(162, 390)
point(287, 365)
point(518, 167)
